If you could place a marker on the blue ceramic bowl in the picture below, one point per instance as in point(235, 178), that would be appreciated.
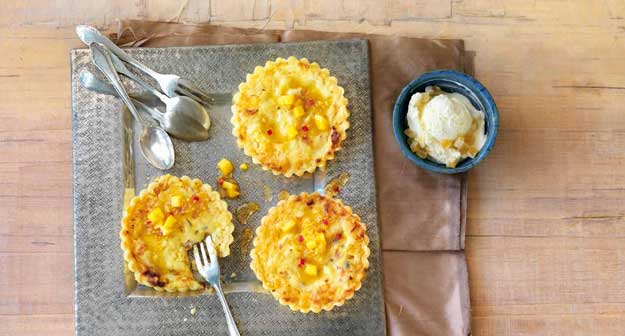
point(448, 81)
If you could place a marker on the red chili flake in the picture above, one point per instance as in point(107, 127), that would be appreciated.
point(302, 262)
point(300, 238)
point(336, 188)
point(305, 128)
point(148, 223)
point(354, 228)
point(269, 132)
point(325, 222)
point(195, 198)
point(310, 102)
point(220, 181)
point(334, 137)
point(338, 236)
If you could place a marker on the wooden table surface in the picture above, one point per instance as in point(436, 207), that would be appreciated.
point(546, 221)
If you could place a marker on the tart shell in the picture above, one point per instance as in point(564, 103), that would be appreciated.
point(295, 160)
point(145, 274)
point(334, 284)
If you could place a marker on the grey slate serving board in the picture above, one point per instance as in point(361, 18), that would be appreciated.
point(101, 145)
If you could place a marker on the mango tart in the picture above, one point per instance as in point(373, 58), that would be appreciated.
point(290, 116)
point(163, 222)
point(311, 252)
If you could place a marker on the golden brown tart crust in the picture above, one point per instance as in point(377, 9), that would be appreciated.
point(311, 252)
point(163, 222)
point(290, 116)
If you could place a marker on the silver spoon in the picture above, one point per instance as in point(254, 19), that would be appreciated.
point(154, 142)
point(175, 106)
point(179, 125)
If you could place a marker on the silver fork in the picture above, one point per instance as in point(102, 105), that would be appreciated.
point(209, 269)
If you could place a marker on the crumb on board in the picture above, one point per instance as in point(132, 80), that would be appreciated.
point(233, 275)
point(193, 311)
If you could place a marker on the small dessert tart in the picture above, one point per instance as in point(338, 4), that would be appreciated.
point(311, 252)
point(290, 116)
point(162, 224)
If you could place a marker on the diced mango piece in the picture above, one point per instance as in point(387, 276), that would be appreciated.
point(459, 143)
point(232, 193)
point(176, 201)
point(317, 241)
point(156, 216)
point(169, 225)
point(288, 225)
point(243, 166)
point(321, 122)
point(310, 269)
point(225, 166)
point(298, 111)
point(286, 100)
point(229, 185)
point(446, 143)
point(291, 132)
point(231, 189)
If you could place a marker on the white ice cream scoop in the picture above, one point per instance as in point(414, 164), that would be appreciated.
point(446, 118)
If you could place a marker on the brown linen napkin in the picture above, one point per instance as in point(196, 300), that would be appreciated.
point(426, 292)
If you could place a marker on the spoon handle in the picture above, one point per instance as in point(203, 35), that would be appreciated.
point(90, 82)
point(102, 60)
point(89, 35)
point(122, 69)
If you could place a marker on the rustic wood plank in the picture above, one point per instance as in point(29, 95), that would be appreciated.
point(546, 219)
point(36, 325)
point(36, 283)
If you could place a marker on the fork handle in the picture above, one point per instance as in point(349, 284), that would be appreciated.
point(232, 327)
point(89, 35)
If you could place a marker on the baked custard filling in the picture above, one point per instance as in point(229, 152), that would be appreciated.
point(163, 222)
point(290, 116)
point(311, 252)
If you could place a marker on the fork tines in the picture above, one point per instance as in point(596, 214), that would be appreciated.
point(205, 255)
point(186, 88)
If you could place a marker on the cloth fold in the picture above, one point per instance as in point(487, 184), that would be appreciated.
point(422, 215)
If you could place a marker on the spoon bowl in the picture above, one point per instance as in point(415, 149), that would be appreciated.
point(178, 125)
point(185, 106)
point(182, 127)
point(156, 147)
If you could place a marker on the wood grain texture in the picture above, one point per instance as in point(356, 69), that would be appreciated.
point(546, 221)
